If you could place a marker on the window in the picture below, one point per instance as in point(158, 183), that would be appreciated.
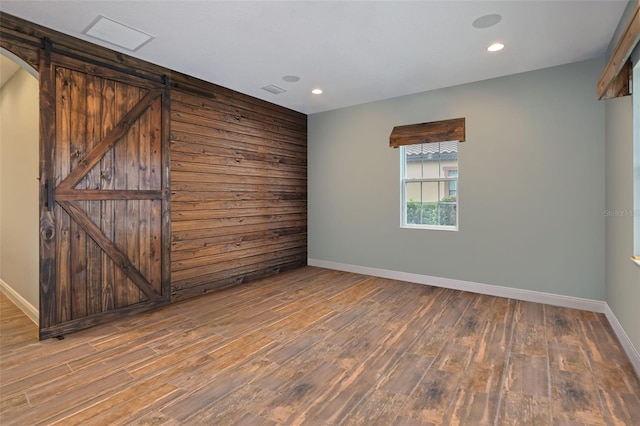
point(430, 185)
point(429, 172)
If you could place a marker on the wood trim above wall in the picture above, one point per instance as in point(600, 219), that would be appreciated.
point(620, 57)
point(621, 85)
point(434, 131)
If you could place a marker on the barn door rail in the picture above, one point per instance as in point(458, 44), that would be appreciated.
point(48, 47)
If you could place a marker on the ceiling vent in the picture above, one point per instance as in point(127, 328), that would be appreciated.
point(118, 34)
point(272, 88)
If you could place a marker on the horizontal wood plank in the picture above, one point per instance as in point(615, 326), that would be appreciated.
point(224, 138)
point(220, 145)
point(196, 286)
point(246, 106)
point(257, 233)
point(193, 196)
point(240, 161)
point(234, 99)
point(235, 252)
point(234, 243)
point(245, 121)
point(235, 168)
point(105, 194)
point(271, 211)
point(231, 262)
point(203, 233)
point(199, 125)
point(237, 221)
point(227, 205)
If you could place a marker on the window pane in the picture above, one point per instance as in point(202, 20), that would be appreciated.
point(413, 191)
point(426, 205)
point(453, 185)
point(448, 212)
point(414, 168)
point(421, 200)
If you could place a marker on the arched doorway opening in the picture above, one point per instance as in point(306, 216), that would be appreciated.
point(19, 187)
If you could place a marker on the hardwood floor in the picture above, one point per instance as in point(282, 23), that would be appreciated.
point(320, 347)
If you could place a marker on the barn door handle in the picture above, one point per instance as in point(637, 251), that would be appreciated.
point(49, 188)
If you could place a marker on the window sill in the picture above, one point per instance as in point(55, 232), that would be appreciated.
point(432, 228)
point(636, 260)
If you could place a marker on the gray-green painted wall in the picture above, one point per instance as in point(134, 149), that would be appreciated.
point(531, 184)
point(623, 276)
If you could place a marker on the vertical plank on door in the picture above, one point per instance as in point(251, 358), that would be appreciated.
point(132, 171)
point(48, 268)
point(77, 151)
point(143, 206)
point(92, 181)
point(120, 207)
point(62, 166)
point(107, 182)
point(153, 175)
point(165, 182)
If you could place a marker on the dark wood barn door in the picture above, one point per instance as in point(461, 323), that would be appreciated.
point(105, 204)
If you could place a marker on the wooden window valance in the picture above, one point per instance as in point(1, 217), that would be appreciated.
point(435, 131)
point(614, 81)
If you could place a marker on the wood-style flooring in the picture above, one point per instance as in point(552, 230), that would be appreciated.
point(321, 347)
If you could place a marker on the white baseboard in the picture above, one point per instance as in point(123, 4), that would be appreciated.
point(22, 303)
point(488, 289)
point(631, 351)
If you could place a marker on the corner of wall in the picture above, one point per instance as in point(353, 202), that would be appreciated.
point(22, 303)
point(625, 341)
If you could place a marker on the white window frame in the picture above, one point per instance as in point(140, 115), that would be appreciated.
point(403, 195)
point(636, 157)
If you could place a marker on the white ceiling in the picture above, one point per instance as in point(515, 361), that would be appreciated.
point(357, 52)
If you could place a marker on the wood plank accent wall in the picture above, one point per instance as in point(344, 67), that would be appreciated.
point(238, 191)
point(237, 207)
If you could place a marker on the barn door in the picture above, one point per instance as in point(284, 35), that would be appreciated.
point(104, 196)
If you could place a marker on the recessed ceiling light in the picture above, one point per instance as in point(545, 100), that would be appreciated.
point(495, 47)
point(317, 91)
point(118, 34)
point(487, 21)
point(291, 78)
